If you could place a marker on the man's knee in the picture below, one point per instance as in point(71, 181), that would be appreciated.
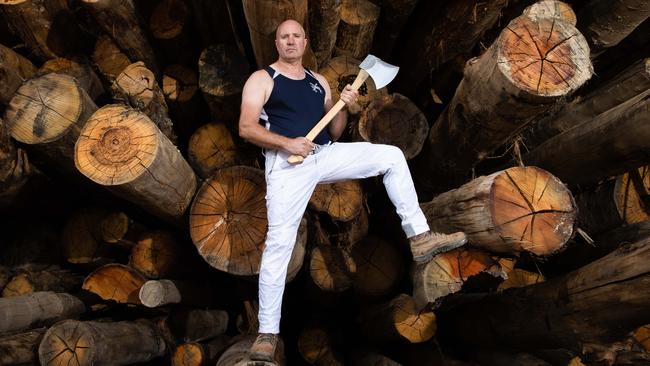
point(393, 154)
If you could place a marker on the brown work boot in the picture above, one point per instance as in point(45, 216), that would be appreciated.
point(263, 349)
point(424, 246)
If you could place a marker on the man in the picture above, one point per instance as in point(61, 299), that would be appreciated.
point(290, 100)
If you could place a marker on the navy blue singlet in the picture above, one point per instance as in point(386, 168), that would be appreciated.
point(295, 106)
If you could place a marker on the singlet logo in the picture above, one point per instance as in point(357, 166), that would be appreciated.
point(315, 88)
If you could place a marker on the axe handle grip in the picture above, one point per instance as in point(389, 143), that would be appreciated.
point(327, 118)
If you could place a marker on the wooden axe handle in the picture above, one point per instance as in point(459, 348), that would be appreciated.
point(327, 118)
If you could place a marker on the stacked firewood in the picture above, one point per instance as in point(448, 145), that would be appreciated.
point(136, 215)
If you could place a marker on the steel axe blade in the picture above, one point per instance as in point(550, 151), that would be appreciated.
point(381, 72)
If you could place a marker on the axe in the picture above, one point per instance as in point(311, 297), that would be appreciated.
point(381, 73)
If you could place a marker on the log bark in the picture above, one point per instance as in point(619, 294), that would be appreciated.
point(109, 59)
point(99, 343)
point(223, 70)
point(200, 354)
point(576, 308)
point(399, 319)
point(392, 20)
point(605, 23)
point(29, 280)
point(78, 69)
point(156, 293)
point(315, 347)
point(180, 86)
point(211, 148)
point(136, 86)
point(119, 20)
point(342, 201)
point(36, 310)
point(14, 70)
point(394, 120)
point(331, 268)
point(379, 267)
point(530, 66)
point(15, 169)
point(237, 354)
point(624, 129)
point(122, 149)
point(510, 211)
point(48, 113)
point(551, 9)
point(21, 348)
point(324, 17)
point(446, 274)
point(115, 282)
point(356, 29)
point(170, 25)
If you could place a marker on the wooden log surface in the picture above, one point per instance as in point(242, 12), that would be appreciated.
point(109, 59)
point(37, 309)
point(331, 268)
point(78, 69)
point(200, 354)
point(315, 347)
point(15, 169)
point(21, 348)
point(180, 85)
point(342, 201)
point(14, 70)
point(194, 325)
point(115, 282)
point(522, 209)
point(156, 293)
point(26, 280)
point(356, 28)
point(211, 148)
point(324, 17)
point(379, 266)
point(399, 319)
point(158, 254)
point(122, 149)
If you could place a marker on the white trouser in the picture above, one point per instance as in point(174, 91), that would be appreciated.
point(288, 189)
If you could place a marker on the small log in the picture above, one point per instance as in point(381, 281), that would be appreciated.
point(237, 354)
point(48, 112)
point(157, 293)
point(399, 319)
point(315, 347)
point(211, 148)
point(551, 9)
point(356, 28)
point(623, 129)
point(394, 120)
point(521, 278)
point(122, 149)
point(379, 267)
point(157, 255)
point(109, 59)
point(136, 86)
point(180, 86)
point(446, 274)
point(82, 72)
point(100, 343)
point(195, 325)
point(200, 354)
point(115, 282)
point(170, 26)
point(228, 220)
point(324, 17)
point(119, 20)
point(15, 169)
point(29, 280)
point(36, 310)
point(393, 18)
point(223, 70)
point(331, 268)
point(342, 201)
point(606, 23)
point(510, 211)
point(14, 70)
point(21, 348)
point(501, 91)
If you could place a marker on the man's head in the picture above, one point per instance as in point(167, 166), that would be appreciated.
point(290, 40)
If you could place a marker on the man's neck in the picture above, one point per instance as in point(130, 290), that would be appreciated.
point(294, 68)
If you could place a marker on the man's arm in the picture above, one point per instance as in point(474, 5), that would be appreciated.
point(339, 121)
point(254, 95)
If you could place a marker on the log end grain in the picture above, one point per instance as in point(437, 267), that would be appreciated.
point(342, 200)
point(115, 282)
point(158, 293)
point(412, 322)
point(188, 354)
point(223, 70)
point(331, 268)
point(379, 266)
point(342, 70)
point(211, 148)
point(180, 83)
point(137, 81)
point(168, 19)
point(631, 196)
point(155, 254)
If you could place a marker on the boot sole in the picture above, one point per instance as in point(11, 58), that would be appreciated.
point(260, 357)
point(445, 248)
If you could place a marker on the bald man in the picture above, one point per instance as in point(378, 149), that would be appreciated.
point(280, 105)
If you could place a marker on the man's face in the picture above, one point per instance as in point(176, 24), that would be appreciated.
point(290, 41)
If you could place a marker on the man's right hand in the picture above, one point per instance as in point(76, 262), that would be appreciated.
point(299, 146)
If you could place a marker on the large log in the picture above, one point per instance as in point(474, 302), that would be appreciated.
point(122, 149)
point(37, 309)
point(14, 166)
point(379, 267)
point(565, 312)
point(531, 65)
point(211, 148)
point(324, 17)
point(48, 113)
point(356, 28)
point(119, 19)
point(393, 18)
point(108, 57)
point(522, 209)
point(14, 70)
point(100, 343)
point(29, 280)
point(605, 23)
point(399, 319)
point(623, 129)
point(115, 282)
point(21, 348)
point(78, 69)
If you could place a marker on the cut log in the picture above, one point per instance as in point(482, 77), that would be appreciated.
point(394, 120)
point(200, 354)
point(228, 220)
point(100, 343)
point(331, 268)
point(521, 278)
point(531, 65)
point(356, 28)
point(510, 211)
point(379, 267)
point(315, 347)
point(48, 112)
point(180, 86)
point(21, 348)
point(15, 169)
point(237, 354)
point(115, 282)
point(223, 70)
point(194, 325)
point(81, 71)
point(551, 9)
point(29, 280)
point(164, 292)
point(399, 319)
point(14, 70)
point(108, 57)
point(122, 149)
point(605, 23)
point(446, 274)
point(342, 201)
point(577, 307)
point(342, 70)
point(157, 255)
point(392, 19)
point(36, 310)
point(136, 86)
point(170, 26)
point(324, 17)
point(119, 20)
point(211, 148)
point(623, 129)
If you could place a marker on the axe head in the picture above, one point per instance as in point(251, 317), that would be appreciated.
point(381, 72)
